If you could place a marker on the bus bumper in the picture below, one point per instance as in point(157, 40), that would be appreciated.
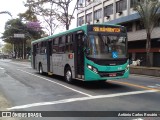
point(92, 76)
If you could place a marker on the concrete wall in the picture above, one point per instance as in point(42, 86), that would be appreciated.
point(145, 71)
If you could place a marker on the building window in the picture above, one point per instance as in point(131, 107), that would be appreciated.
point(121, 5)
point(89, 18)
point(133, 2)
point(81, 3)
point(139, 25)
point(97, 14)
point(81, 21)
point(158, 23)
point(108, 10)
point(88, 2)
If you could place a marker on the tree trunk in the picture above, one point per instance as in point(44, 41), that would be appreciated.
point(24, 49)
point(67, 18)
point(148, 48)
point(67, 27)
point(19, 50)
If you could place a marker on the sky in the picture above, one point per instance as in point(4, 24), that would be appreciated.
point(15, 7)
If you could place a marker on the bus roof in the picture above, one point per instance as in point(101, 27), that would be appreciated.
point(83, 27)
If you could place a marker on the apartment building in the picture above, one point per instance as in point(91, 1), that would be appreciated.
point(121, 12)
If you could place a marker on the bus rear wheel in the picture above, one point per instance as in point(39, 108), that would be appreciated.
point(68, 75)
point(40, 69)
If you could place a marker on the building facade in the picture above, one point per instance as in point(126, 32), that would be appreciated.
point(121, 12)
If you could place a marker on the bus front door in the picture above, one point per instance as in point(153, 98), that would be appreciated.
point(79, 55)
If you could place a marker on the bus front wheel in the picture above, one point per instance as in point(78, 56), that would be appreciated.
point(68, 75)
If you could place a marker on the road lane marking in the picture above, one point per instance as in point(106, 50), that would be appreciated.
point(1, 68)
point(155, 86)
point(133, 85)
point(80, 99)
point(151, 77)
point(158, 85)
point(152, 86)
point(56, 83)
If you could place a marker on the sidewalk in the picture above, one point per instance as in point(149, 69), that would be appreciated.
point(21, 60)
point(4, 104)
point(150, 71)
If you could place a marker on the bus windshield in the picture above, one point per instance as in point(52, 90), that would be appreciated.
point(103, 46)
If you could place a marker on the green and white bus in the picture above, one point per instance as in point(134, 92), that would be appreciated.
point(95, 52)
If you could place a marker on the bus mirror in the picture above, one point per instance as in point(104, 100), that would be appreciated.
point(87, 51)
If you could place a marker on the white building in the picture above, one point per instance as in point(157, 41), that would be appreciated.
point(121, 12)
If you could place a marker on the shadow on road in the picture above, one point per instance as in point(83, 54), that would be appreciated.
point(91, 85)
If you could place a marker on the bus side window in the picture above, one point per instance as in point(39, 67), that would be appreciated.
point(38, 48)
point(62, 43)
point(55, 45)
point(43, 48)
point(69, 43)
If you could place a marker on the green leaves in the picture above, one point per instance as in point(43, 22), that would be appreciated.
point(148, 11)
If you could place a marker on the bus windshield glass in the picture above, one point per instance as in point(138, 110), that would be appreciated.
point(106, 46)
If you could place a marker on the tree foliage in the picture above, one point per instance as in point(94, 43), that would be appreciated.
point(55, 13)
point(148, 11)
point(16, 26)
point(28, 16)
point(46, 11)
point(63, 13)
point(7, 48)
point(6, 12)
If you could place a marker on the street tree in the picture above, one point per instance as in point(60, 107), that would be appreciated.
point(5, 12)
point(34, 29)
point(63, 14)
point(45, 11)
point(148, 11)
point(7, 48)
point(16, 26)
point(56, 13)
point(28, 15)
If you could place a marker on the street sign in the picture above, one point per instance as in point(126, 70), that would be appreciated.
point(18, 35)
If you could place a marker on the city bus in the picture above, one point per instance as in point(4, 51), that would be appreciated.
point(96, 52)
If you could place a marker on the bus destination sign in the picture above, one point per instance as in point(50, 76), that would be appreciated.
point(106, 29)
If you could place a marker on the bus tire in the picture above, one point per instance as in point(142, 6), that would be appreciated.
point(68, 75)
point(40, 69)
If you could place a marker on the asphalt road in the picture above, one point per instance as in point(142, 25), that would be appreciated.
point(24, 89)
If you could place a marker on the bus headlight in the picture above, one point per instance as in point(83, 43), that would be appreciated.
point(89, 66)
point(92, 68)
